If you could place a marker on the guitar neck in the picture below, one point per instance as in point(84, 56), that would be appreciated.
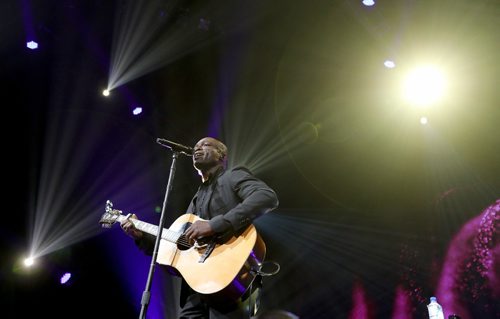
point(167, 234)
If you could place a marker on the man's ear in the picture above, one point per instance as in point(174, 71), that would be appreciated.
point(221, 155)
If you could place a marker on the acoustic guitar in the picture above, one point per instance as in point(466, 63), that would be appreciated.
point(215, 266)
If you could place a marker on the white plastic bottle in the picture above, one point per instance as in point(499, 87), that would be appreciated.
point(435, 309)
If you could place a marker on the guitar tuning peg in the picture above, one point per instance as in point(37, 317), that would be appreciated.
point(109, 206)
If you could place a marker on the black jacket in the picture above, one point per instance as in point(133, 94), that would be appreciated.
point(235, 198)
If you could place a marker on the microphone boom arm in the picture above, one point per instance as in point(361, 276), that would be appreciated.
point(176, 147)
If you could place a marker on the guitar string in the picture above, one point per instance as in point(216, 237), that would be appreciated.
point(181, 239)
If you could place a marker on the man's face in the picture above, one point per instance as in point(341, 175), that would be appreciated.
point(206, 154)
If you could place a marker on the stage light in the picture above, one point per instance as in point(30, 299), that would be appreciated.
point(389, 64)
point(105, 92)
point(65, 278)
point(28, 262)
point(423, 120)
point(32, 45)
point(368, 3)
point(424, 86)
point(137, 110)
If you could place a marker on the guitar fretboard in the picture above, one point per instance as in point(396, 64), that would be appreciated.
point(167, 234)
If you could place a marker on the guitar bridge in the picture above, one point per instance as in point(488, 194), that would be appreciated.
point(199, 246)
point(209, 249)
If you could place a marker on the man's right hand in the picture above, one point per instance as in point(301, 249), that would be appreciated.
point(129, 228)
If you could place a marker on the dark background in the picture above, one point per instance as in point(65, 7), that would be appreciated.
point(370, 200)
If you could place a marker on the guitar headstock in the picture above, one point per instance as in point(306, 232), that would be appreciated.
point(110, 215)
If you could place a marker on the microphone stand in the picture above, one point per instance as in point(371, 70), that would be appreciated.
point(146, 295)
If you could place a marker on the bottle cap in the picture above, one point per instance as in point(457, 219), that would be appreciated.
point(433, 299)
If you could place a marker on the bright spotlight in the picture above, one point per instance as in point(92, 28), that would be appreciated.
point(389, 64)
point(32, 45)
point(368, 3)
point(423, 120)
point(137, 110)
point(28, 262)
point(105, 92)
point(65, 278)
point(424, 86)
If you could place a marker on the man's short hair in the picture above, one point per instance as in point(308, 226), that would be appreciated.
point(222, 148)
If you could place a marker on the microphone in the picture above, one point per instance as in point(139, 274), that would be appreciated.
point(176, 147)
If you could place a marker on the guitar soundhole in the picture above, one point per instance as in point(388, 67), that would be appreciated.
point(183, 242)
